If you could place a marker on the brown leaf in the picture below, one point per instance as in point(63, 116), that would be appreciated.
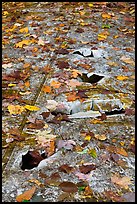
point(63, 64)
point(114, 157)
point(113, 196)
point(45, 114)
point(122, 182)
point(27, 195)
point(129, 111)
point(87, 168)
point(120, 150)
point(79, 30)
point(62, 51)
point(69, 187)
point(65, 168)
point(37, 125)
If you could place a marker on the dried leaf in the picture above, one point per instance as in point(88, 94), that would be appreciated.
point(100, 137)
point(72, 96)
point(75, 73)
point(122, 78)
point(122, 182)
point(127, 60)
point(24, 30)
point(27, 195)
point(87, 168)
point(106, 15)
point(36, 182)
point(9, 65)
point(38, 124)
point(46, 89)
point(65, 168)
point(55, 84)
point(66, 144)
point(69, 187)
point(73, 83)
point(24, 42)
point(31, 108)
point(113, 196)
point(63, 64)
point(120, 150)
point(15, 109)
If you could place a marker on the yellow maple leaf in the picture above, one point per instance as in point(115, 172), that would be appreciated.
point(31, 108)
point(75, 73)
point(106, 15)
point(90, 5)
point(27, 195)
point(11, 85)
point(88, 138)
point(15, 109)
point(122, 78)
point(55, 84)
point(96, 121)
point(23, 42)
point(24, 30)
point(5, 13)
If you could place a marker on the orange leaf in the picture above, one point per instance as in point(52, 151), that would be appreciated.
point(27, 84)
point(75, 73)
point(72, 97)
point(27, 195)
point(55, 84)
point(122, 78)
point(26, 65)
point(105, 15)
point(121, 151)
point(46, 89)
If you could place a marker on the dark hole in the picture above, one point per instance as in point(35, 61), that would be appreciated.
point(115, 112)
point(31, 159)
point(92, 79)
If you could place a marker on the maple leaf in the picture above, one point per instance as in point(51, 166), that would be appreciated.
point(55, 84)
point(24, 42)
point(122, 182)
point(15, 109)
point(46, 89)
point(73, 83)
point(100, 137)
point(72, 96)
point(24, 30)
point(122, 78)
point(27, 195)
point(106, 15)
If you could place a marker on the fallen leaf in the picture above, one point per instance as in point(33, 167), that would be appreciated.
point(113, 196)
point(36, 182)
point(120, 150)
point(127, 60)
point(122, 182)
point(27, 195)
point(15, 109)
point(60, 117)
point(38, 124)
point(100, 137)
point(27, 84)
point(41, 41)
point(90, 5)
point(88, 192)
point(31, 108)
point(5, 66)
point(46, 89)
point(66, 144)
point(122, 78)
point(24, 30)
point(75, 73)
point(51, 105)
point(72, 96)
point(63, 64)
point(65, 168)
point(73, 83)
point(96, 121)
point(23, 42)
point(55, 84)
point(92, 152)
point(62, 51)
point(106, 15)
point(79, 30)
point(87, 168)
point(69, 187)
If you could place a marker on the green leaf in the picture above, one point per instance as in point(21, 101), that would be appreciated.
point(106, 26)
point(93, 153)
